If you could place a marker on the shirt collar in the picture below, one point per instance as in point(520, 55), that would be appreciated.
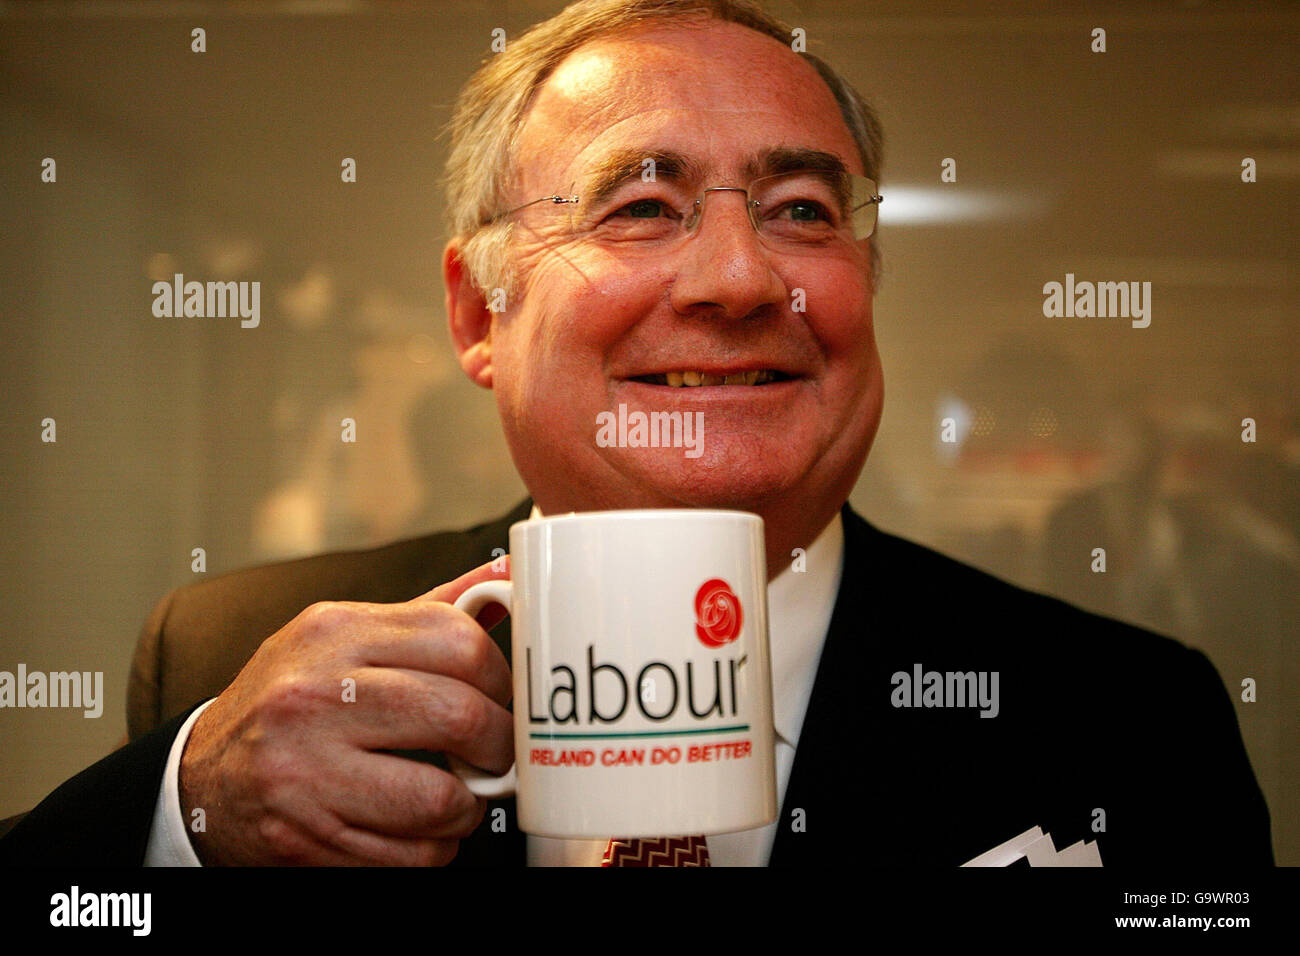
point(799, 608)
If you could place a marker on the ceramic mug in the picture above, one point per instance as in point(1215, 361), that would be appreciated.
point(642, 679)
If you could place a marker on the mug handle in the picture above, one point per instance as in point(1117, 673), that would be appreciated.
point(479, 782)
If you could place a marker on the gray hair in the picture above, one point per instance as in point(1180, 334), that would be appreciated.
point(491, 109)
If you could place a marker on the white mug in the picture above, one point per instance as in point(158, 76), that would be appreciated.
point(642, 681)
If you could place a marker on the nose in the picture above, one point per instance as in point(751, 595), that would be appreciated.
point(723, 266)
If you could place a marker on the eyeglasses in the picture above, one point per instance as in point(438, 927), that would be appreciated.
point(800, 211)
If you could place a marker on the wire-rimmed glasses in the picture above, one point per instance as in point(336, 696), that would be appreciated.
point(802, 210)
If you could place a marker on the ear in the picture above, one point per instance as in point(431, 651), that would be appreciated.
point(468, 317)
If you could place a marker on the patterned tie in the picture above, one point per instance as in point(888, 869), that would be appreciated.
point(663, 851)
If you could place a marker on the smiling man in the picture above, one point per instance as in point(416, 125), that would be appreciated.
point(660, 207)
point(622, 291)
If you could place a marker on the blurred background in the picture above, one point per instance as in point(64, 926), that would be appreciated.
point(1072, 433)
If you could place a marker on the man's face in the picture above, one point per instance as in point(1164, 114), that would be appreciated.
point(587, 319)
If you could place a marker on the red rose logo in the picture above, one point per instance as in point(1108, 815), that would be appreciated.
point(717, 613)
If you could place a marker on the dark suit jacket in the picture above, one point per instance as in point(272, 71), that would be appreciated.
point(1101, 724)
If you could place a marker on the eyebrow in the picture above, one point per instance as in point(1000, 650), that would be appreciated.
point(625, 165)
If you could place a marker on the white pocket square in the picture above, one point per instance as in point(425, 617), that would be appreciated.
point(1037, 847)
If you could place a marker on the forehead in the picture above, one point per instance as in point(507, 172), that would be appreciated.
point(718, 92)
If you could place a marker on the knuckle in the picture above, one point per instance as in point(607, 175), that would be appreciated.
point(465, 717)
point(422, 853)
point(439, 852)
point(288, 699)
point(268, 776)
point(439, 800)
point(281, 842)
point(323, 617)
point(474, 647)
point(452, 626)
point(480, 811)
point(338, 836)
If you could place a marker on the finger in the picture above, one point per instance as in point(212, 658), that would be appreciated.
point(398, 709)
point(376, 849)
point(285, 840)
point(397, 797)
point(497, 569)
point(438, 639)
point(331, 842)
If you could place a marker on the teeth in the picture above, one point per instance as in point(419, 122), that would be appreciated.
point(692, 379)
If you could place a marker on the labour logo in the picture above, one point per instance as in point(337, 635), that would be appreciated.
point(718, 615)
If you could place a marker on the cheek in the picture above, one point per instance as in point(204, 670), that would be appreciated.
point(588, 302)
point(616, 294)
point(549, 355)
point(838, 308)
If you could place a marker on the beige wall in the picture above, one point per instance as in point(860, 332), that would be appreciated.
point(183, 433)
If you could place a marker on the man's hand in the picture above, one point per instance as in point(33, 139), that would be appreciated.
point(288, 771)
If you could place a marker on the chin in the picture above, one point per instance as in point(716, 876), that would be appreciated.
point(723, 485)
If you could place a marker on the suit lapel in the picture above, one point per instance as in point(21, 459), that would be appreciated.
point(901, 787)
point(823, 794)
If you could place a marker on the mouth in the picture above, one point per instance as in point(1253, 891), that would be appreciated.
point(696, 379)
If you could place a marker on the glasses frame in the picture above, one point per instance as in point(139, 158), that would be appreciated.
point(873, 199)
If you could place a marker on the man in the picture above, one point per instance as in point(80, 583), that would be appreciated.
point(703, 286)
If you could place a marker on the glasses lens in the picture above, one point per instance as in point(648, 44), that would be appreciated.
point(800, 208)
point(814, 207)
point(638, 212)
point(864, 206)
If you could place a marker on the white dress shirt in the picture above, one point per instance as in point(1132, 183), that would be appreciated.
point(799, 605)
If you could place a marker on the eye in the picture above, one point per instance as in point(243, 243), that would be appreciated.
point(643, 209)
point(805, 210)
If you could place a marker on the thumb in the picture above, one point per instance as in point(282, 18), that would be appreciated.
point(497, 569)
